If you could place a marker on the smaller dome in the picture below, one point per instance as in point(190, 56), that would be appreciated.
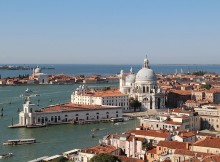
point(37, 70)
point(130, 78)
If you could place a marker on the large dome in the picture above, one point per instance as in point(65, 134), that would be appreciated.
point(145, 74)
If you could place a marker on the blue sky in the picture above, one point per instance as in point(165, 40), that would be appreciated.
point(109, 32)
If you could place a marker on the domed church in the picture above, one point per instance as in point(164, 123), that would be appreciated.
point(143, 87)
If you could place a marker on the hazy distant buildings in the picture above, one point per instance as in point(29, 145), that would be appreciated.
point(39, 76)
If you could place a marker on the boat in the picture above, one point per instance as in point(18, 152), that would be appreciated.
point(6, 155)
point(28, 91)
point(93, 135)
point(20, 141)
point(117, 120)
point(95, 129)
point(36, 126)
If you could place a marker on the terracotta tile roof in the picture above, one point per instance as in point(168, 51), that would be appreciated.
point(181, 92)
point(100, 149)
point(180, 110)
point(199, 102)
point(173, 144)
point(129, 159)
point(132, 137)
point(73, 107)
point(107, 93)
point(211, 158)
point(151, 133)
point(187, 134)
point(152, 151)
point(172, 122)
point(208, 142)
point(190, 153)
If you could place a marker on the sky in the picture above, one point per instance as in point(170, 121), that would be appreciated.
point(109, 31)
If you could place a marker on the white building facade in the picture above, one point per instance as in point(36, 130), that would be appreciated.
point(143, 87)
point(111, 97)
point(39, 76)
point(68, 112)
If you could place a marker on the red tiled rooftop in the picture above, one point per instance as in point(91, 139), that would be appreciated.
point(152, 133)
point(132, 137)
point(186, 134)
point(173, 144)
point(152, 151)
point(129, 159)
point(180, 110)
point(181, 92)
point(73, 107)
point(106, 93)
point(208, 142)
point(190, 153)
point(172, 122)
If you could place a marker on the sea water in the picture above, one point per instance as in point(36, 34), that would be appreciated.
point(52, 139)
point(74, 69)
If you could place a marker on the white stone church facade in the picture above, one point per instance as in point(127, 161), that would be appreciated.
point(143, 87)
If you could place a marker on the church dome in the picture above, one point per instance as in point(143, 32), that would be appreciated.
point(130, 78)
point(37, 70)
point(145, 74)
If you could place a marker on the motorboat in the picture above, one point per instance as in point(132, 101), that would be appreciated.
point(6, 155)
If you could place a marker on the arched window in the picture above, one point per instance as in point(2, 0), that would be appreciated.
point(147, 89)
point(144, 89)
point(150, 103)
point(158, 103)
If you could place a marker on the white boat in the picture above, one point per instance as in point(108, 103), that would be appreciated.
point(28, 91)
point(6, 155)
point(20, 141)
point(119, 119)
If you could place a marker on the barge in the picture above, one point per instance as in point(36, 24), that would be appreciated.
point(20, 141)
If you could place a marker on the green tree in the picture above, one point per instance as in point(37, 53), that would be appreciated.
point(147, 145)
point(134, 103)
point(206, 86)
point(105, 158)
point(199, 73)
